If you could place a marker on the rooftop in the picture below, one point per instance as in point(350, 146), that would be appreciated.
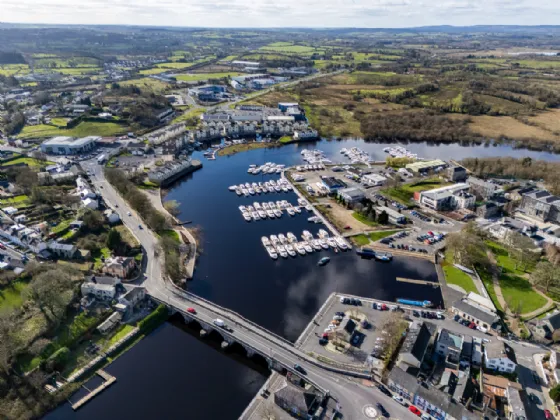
point(498, 349)
point(71, 141)
point(425, 164)
point(450, 339)
point(483, 315)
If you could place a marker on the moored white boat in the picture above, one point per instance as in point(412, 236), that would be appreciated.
point(272, 252)
point(238, 191)
point(232, 187)
point(251, 191)
point(332, 243)
point(290, 250)
point(340, 242)
point(282, 238)
point(247, 217)
point(255, 215)
point(242, 209)
point(309, 207)
point(274, 239)
point(307, 247)
point(257, 205)
point(282, 251)
point(323, 243)
point(323, 233)
point(291, 237)
point(265, 241)
point(306, 235)
point(270, 214)
point(297, 209)
point(316, 244)
point(262, 214)
point(277, 212)
point(300, 249)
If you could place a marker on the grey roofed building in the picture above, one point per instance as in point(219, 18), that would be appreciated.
point(541, 205)
point(351, 195)
point(295, 399)
point(516, 404)
point(497, 349)
point(485, 317)
point(103, 280)
point(450, 339)
point(483, 188)
point(415, 344)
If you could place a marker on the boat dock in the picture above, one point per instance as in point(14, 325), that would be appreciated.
point(108, 380)
point(423, 282)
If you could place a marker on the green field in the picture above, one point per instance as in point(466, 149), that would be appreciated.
point(196, 77)
point(458, 277)
point(14, 200)
point(11, 69)
point(146, 83)
point(83, 129)
point(376, 236)
point(364, 219)
point(11, 296)
point(360, 240)
point(286, 47)
point(193, 113)
point(34, 163)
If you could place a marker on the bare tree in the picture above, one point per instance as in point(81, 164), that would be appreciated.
point(546, 275)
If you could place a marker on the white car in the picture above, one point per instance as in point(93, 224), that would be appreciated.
point(399, 399)
point(129, 214)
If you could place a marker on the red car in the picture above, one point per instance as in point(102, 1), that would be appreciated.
point(547, 415)
point(414, 410)
point(472, 326)
point(347, 227)
point(191, 310)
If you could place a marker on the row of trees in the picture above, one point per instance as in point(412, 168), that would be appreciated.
point(156, 220)
point(521, 168)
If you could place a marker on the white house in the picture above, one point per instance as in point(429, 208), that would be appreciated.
point(90, 203)
point(100, 291)
point(499, 356)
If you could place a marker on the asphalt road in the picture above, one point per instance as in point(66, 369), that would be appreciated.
point(350, 394)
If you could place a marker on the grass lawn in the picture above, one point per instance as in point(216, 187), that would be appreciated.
point(376, 236)
point(61, 226)
point(364, 219)
point(193, 113)
point(518, 292)
point(458, 277)
point(398, 194)
point(11, 296)
point(102, 253)
point(285, 139)
point(83, 129)
point(119, 334)
point(146, 83)
point(18, 199)
point(172, 234)
point(34, 163)
point(486, 278)
point(360, 240)
point(236, 148)
point(196, 77)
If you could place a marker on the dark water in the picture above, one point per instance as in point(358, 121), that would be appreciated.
point(172, 373)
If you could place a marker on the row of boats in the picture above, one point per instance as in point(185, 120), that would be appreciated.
point(310, 167)
point(357, 155)
point(271, 186)
point(314, 156)
point(267, 168)
point(288, 245)
point(273, 209)
point(399, 152)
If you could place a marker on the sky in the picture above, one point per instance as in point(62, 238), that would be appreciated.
point(284, 13)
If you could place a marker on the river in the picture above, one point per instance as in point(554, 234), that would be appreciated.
point(173, 374)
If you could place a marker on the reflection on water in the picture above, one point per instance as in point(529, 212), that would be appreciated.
point(173, 374)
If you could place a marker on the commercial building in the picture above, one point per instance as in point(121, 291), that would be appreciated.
point(478, 314)
point(64, 145)
point(424, 166)
point(446, 198)
point(499, 356)
point(351, 195)
point(395, 217)
point(483, 189)
point(171, 171)
point(542, 206)
point(332, 184)
point(373, 180)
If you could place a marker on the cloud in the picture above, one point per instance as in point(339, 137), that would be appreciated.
point(288, 13)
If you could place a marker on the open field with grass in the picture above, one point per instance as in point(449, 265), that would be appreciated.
point(496, 127)
point(288, 48)
point(360, 240)
point(380, 234)
point(189, 114)
point(11, 296)
point(34, 163)
point(146, 83)
point(11, 69)
point(363, 219)
point(85, 128)
point(196, 77)
point(237, 148)
point(457, 277)
point(14, 201)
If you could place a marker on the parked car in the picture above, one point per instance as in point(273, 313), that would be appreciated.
point(191, 310)
point(414, 410)
point(384, 389)
point(339, 314)
point(547, 415)
point(399, 399)
point(425, 417)
point(384, 412)
point(416, 313)
point(300, 369)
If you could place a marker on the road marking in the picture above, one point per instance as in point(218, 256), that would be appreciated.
point(369, 411)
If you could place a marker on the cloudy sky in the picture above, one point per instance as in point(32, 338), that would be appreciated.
point(284, 13)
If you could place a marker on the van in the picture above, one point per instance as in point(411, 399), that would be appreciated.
point(219, 323)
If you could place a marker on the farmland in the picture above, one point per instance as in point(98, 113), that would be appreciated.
point(85, 128)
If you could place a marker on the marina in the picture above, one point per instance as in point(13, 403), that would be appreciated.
point(272, 210)
point(289, 245)
point(257, 188)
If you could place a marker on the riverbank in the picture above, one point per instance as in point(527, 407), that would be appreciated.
point(244, 147)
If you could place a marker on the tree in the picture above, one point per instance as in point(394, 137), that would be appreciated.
point(545, 275)
point(114, 240)
point(555, 393)
point(48, 290)
point(552, 254)
point(26, 179)
point(383, 217)
point(521, 247)
point(172, 207)
point(468, 248)
point(92, 220)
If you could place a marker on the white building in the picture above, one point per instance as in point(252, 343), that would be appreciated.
point(100, 291)
point(394, 216)
point(90, 203)
point(447, 198)
point(499, 356)
point(64, 145)
point(374, 179)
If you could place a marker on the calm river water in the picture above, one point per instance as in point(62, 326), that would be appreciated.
point(172, 373)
